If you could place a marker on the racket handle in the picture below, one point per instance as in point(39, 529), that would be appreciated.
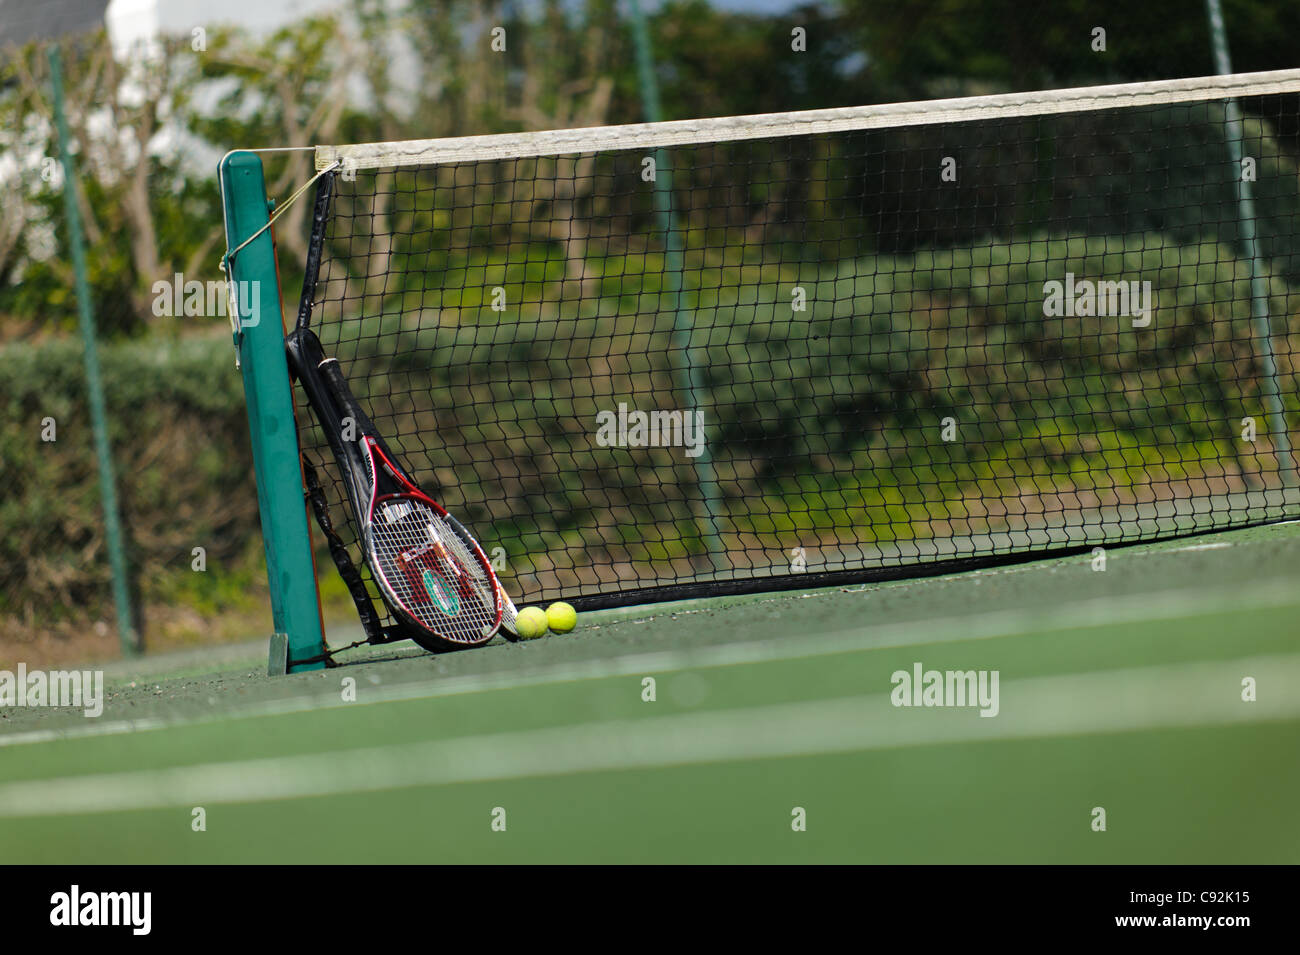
point(343, 397)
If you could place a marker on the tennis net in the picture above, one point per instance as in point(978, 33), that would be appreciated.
point(655, 361)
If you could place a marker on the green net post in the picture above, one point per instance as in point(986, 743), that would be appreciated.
point(257, 323)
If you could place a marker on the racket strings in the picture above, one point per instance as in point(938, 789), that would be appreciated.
point(431, 572)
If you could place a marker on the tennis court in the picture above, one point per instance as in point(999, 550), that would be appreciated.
point(1120, 689)
point(445, 432)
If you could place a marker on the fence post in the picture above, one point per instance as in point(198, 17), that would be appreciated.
point(1235, 135)
point(683, 319)
point(131, 642)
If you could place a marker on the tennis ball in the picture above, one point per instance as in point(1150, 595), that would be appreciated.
point(561, 617)
point(531, 623)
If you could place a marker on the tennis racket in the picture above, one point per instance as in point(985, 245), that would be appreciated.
point(430, 572)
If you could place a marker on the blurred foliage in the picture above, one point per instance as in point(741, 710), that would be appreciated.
point(923, 48)
point(148, 132)
point(176, 416)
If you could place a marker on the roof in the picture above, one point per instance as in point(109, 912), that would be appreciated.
point(24, 20)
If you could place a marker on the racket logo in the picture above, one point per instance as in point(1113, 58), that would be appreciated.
point(396, 512)
point(426, 581)
point(436, 588)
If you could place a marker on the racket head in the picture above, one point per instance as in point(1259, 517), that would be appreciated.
point(431, 573)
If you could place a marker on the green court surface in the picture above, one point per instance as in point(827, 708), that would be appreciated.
point(1119, 689)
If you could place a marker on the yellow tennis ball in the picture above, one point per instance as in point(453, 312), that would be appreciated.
point(561, 618)
point(531, 623)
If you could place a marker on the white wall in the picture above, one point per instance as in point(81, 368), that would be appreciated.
point(134, 21)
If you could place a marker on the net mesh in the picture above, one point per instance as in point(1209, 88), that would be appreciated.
point(640, 373)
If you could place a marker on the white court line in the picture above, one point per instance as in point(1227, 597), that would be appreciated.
point(1181, 696)
point(1098, 611)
